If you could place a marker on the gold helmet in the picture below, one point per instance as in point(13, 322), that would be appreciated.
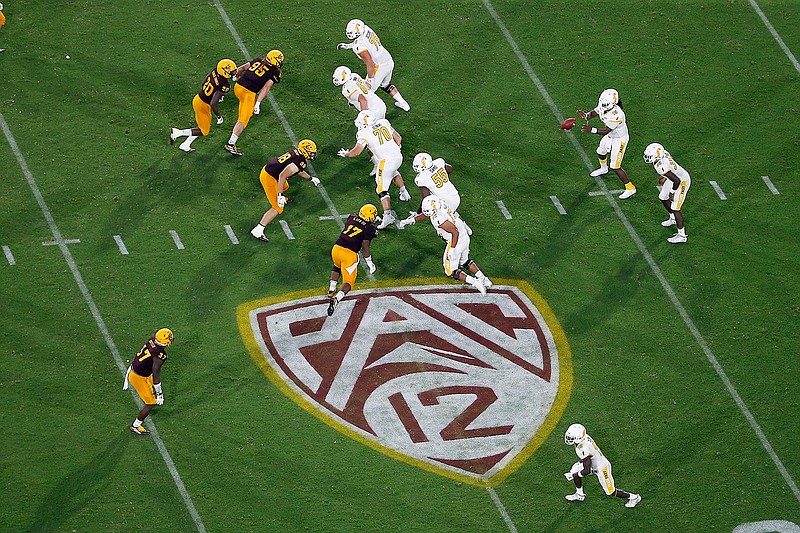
point(275, 58)
point(308, 148)
point(368, 212)
point(164, 337)
point(226, 68)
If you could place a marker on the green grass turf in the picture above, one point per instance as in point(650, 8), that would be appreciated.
point(704, 78)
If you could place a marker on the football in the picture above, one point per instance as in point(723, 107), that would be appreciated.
point(661, 180)
point(568, 124)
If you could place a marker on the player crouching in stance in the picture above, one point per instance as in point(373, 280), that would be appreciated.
point(675, 183)
point(615, 137)
point(207, 100)
point(358, 231)
point(274, 179)
point(592, 461)
point(145, 375)
point(455, 233)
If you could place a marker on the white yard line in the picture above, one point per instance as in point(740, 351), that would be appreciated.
point(121, 244)
point(558, 205)
point(603, 193)
point(286, 230)
point(287, 128)
point(502, 508)
point(177, 239)
point(770, 186)
point(331, 217)
point(774, 33)
point(504, 210)
point(87, 296)
point(712, 359)
point(718, 190)
point(231, 234)
point(9, 256)
point(66, 241)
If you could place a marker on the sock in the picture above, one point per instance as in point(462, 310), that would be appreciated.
point(580, 491)
point(629, 186)
point(672, 216)
point(682, 232)
point(339, 296)
point(399, 98)
point(233, 138)
point(185, 133)
point(479, 275)
point(470, 280)
point(332, 286)
point(137, 423)
point(258, 231)
point(188, 142)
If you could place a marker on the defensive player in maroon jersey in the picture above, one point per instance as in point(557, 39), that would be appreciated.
point(145, 375)
point(207, 100)
point(358, 231)
point(274, 179)
point(255, 79)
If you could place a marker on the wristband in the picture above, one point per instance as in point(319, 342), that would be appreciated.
point(594, 130)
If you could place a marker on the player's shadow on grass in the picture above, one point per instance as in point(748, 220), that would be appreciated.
point(79, 489)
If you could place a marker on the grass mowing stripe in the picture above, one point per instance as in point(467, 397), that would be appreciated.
point(289, 132)
point(775, 34)
point(650, 261)
point(62, 244)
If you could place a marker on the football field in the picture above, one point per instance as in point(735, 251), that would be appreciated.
point(420, 405)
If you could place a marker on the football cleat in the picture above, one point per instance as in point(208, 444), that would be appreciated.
point(262, 237)
point(677, 238)
point(486, 282)
point(332, 306)
point(403, 105)
point(599, 172)
point(627, 193)
point(577, 497)
point(188, 149)
point(139, 430)
point(388, 218)
point(173, 134)
point(405, 196)
point(633, 500)
point(478, 284)
point(331, 294)
point(231, 149)
point(669, 222)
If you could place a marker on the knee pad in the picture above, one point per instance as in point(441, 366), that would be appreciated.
point(455, 274)
point(389, 88)
point(337, 270)
point(383, 194)
point(468, 263)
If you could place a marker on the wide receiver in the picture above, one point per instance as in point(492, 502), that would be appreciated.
point(592, 461)
point(145, 375)
point(675, 183)
point(454, 231)
point(358, 232)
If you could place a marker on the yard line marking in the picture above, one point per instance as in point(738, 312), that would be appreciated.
point(331, 217)
point(701, 341)
point(9, 256)
point(66, 241)
point(500, 507)
point(774, 33)
point(287, 128)
point(770, 186)
point(231, 234)
point(718, 190)
point(177, 239)
point(87, 296)
point(503, 209)
point(558, 205)
point(122, 248)
point(286, 230)
point(603, 193)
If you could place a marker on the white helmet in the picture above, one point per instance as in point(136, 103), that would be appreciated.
point(421, 162)
point(653, 153)
point(575, 434)
point(431, 204)
point(364, 119)
point(341, 75)
point(608, 99)
point(354, 29)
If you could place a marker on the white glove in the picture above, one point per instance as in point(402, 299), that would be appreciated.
point(257, 108)
point(220, 120)
point(159, 394)
point(406, 222)
point(370, 264)
point(281, 200)
point(315, 181)
point(344, 46)
point(342, 152)
point(221, 98)
point(569, 476)
point(233, 78)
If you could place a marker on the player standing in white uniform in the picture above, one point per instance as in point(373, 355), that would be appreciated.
point(615, 137)
point(433, 177)
point(384, 143)
point(454, 231)
point(367, 46)
point(675, 183)
point(592, 461)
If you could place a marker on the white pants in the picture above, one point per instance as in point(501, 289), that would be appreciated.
point(679, 193)
point(462, 249)
point(615, 146)
point(387, 169)
point(383, 74)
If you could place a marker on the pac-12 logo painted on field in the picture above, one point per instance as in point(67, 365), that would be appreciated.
point(439, 376)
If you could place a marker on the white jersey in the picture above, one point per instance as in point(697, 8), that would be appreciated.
point(355, 87)
point(614, 118)
point(667, 164)
point(380, 140)
point(436, 179)
point(442, 215)
point(588, 448)
point(369, 41)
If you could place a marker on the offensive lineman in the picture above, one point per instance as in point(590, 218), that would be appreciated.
point(433, 177)
point(454, 232)
point(145, 375)
point(357, 94)
point(615, 137)
point(675, 183)
point(384, 144)
point(367, 46)
point(214, 87)
point(358, 231)
point(592, 461)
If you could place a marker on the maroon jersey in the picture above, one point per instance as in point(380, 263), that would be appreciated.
point(143, 362)
point(356, 231)
point(213, 83)
point(276, 166)
point(259, 73)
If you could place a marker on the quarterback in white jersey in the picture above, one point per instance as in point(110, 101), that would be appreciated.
point(592, 461)
point(455, 232)
point(380, 65)
point(384, 143)
point(357, 94)
point(675, 183)
point(615, 137)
